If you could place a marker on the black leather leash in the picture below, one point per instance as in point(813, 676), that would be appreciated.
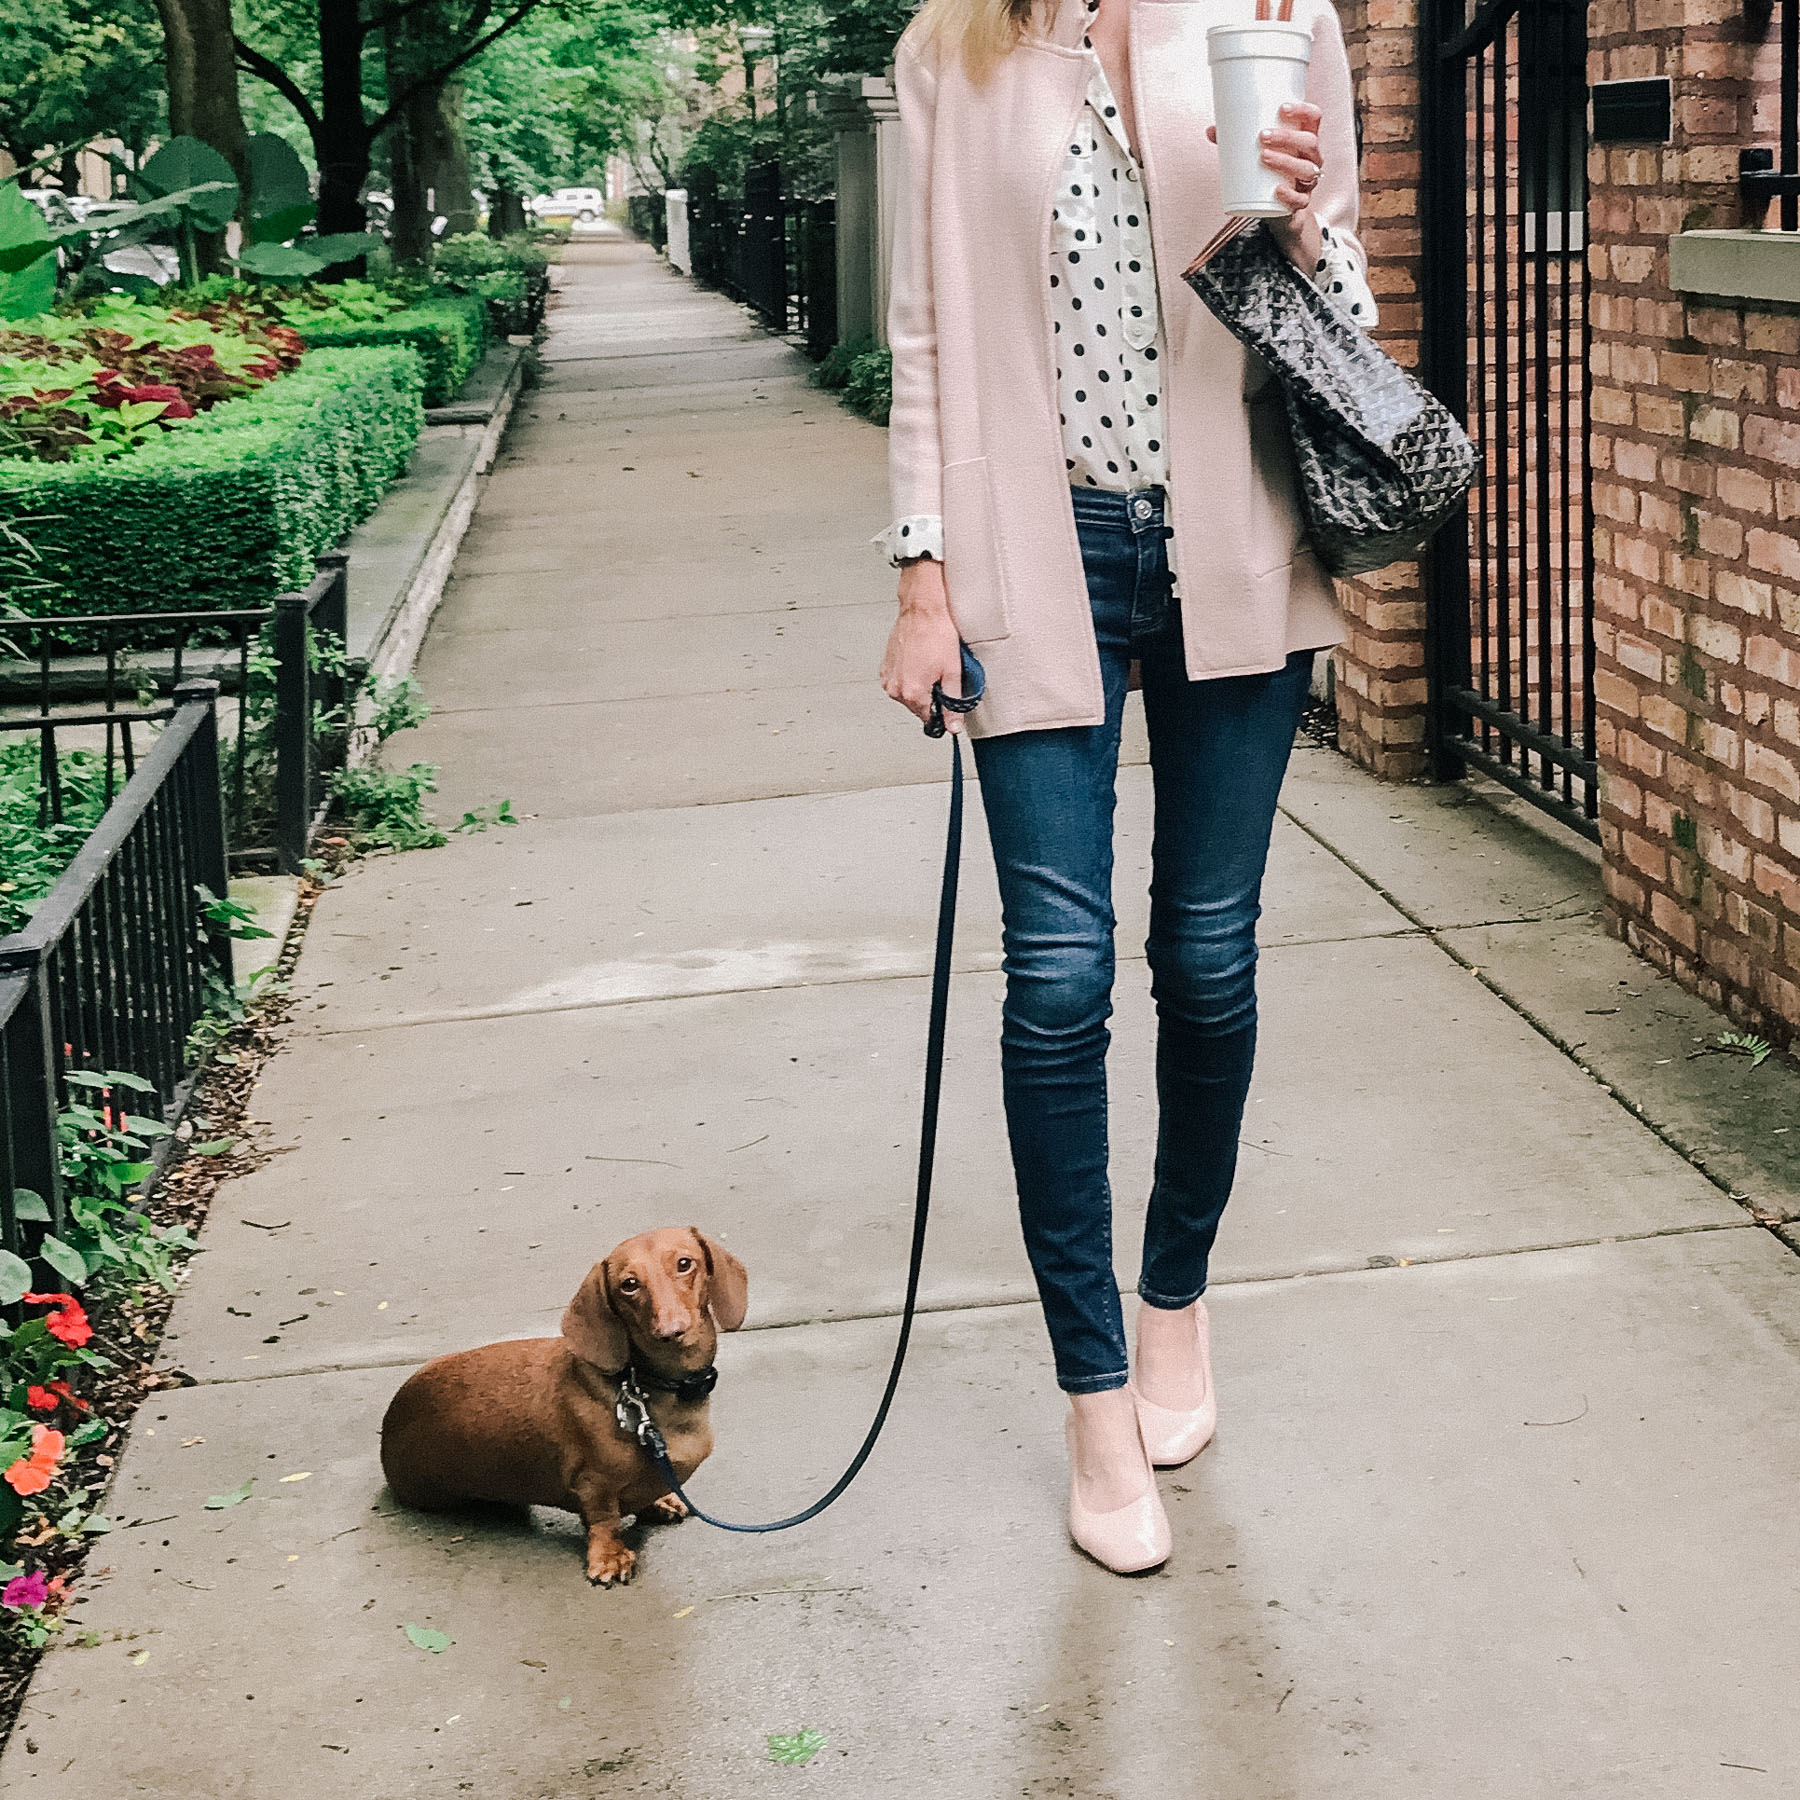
point(634, 1407)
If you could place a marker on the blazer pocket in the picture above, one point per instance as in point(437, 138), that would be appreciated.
point(974, 566)
point(1276, 522)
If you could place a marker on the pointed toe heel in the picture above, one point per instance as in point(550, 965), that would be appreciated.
point(1128, 1540)
point(1171, 1437)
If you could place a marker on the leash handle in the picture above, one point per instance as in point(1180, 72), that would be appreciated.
point(634, 1409)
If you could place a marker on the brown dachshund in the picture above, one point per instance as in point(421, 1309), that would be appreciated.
point(532, 1422)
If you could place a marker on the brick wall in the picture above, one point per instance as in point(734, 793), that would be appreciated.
point(1696, 455)
point(1380, 668)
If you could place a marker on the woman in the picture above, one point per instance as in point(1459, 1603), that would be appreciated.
point(1092, 480)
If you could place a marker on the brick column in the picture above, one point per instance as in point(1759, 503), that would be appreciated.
point(1696, 457)
point(1380, 667)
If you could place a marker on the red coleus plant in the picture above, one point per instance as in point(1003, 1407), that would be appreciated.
point(112, 389)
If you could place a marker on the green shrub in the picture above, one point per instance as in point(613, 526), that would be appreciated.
point(233, 508)
point(448, 332)
point(870, 387)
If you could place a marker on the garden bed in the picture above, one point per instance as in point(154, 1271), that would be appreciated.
point(447, 332)
point(231, 508)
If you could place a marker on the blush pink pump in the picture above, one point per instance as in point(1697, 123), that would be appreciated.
point(1128, 1540)
point(1173, 1438)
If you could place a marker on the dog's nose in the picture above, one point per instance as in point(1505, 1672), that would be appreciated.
point(668, 1329)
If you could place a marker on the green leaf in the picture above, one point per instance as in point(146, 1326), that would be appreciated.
point(27, 1205)
point(213, 1147)
point(423, 1639)
point(237, 1497)
point(65, 1259)
point(86, 1434)
point(30, 288)
point(282, 226)
point(15, 1278)
point(279, 262)
point(24, 237)
point(96, 1523)
point(343, 246)
point(278, 177)
point(136, 1084)
point(185, 162)
point(799, 1747)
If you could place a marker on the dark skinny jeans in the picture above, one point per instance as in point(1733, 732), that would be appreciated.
point(1218, 752)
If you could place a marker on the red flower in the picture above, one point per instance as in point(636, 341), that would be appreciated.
point(47, 1399)
point(31, 1474)
point(68, 1324)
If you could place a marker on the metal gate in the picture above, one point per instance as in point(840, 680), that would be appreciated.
point(1509, 591)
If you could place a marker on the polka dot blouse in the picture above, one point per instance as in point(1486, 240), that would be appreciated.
point(1106, 321)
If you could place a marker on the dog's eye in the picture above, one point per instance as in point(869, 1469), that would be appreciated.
point(629, 1285)
point(683, 1264)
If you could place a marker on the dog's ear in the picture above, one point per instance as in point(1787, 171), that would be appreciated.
point(594, 1331)
point(727, 1282)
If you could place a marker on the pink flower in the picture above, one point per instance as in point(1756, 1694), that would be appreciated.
point(26, 1590)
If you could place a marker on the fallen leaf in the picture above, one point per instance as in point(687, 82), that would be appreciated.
point(381, 1306)
point(299, 1475)
point(564, 1703)
point(189, 1443)
point(799, 1747)
point(214, 1147)
point(143, 1656)
point(237, 1497)
point(684, 1612)
point(423, 1639)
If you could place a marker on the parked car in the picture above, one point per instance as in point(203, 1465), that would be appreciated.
point(152, 262)
point(585, 204)
point(55, 205)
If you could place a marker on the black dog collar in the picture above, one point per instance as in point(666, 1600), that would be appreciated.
point(686, 1388)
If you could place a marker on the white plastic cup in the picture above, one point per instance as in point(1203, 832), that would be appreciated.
point(1258, 67)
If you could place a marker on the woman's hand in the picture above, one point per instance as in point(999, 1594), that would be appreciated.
point(923, 647)
point(1291, 149)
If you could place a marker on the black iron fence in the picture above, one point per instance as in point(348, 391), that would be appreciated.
point(283, 669)
point(647, 217)
point(119, 960)
point(1509, 589)
point(774, 253)
point(1775, 174)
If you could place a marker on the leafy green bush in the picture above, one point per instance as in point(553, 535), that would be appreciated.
point(863, 373)
point(448, 332)
point(34, 853)
point(231, 509)
point(511, 274)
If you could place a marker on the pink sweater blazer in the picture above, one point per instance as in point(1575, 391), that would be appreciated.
point(974, 432)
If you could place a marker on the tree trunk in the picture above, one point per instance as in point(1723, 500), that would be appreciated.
point(450, 176)
point(506, 211)
point(203, 92)
point(342, 140)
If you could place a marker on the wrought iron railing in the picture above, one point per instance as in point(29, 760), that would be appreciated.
point(1775, 175)
point(118, 962)
point(1509, 589)
point(775, 253)
point(282, 667)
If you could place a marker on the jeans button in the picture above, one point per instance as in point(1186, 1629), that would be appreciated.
point(1141, 509)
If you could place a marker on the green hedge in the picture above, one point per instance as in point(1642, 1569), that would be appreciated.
point(449, 334)
point(232, 508)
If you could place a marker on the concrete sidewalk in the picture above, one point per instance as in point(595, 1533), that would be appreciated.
point(1511, 1433)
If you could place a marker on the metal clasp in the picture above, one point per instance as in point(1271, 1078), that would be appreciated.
point(633, 1410)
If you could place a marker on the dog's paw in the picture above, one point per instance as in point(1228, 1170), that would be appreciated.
point(669, 1510)
point(608, 1563)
